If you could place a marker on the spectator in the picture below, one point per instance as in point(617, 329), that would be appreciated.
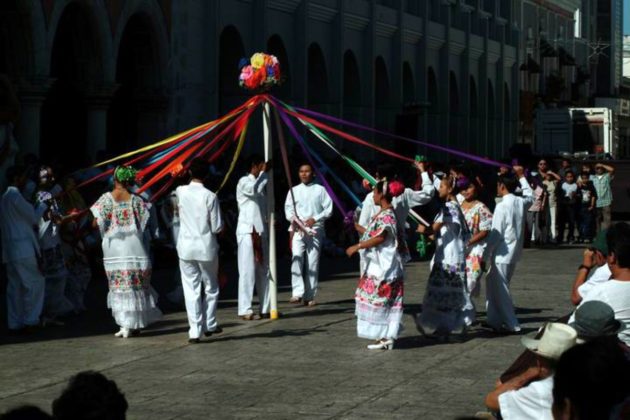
point(550, 184)
point(595, 320)
point(565, 166)
point(591, 382)
point(587, 196)
point(25, 412)
point(529, 395)
point(90, 395)
point(567, 208)
point(594, 258)
point(604, 174)
point(616, 291)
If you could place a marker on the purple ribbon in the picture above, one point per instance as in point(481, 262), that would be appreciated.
point(300, 141)
point(384, 133)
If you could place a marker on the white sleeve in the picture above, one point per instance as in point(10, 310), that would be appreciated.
point(253, 189)
point(366, 211)
point(289, 211)
point(528, 193)
point(497, 230)
point(327, 206)
point(525, 403)
point(422, 196)
point(216, 223)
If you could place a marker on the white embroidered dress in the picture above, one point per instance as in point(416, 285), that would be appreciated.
point(127, 265)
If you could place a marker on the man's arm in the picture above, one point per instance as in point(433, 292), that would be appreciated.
point(216, 222)
point(609, 168)
point(253, 189)
point(588, 262)
point(518, 382)
point(289, 211)
point(327, 207)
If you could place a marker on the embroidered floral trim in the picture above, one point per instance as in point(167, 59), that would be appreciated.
point(129, 279)
point(116, 217)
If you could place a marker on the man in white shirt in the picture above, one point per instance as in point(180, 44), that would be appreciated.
point(594, 262)
point(307, 207)
point(20, 249)
point(616, 291)
point(197, 248)
point(529, 395)
point(506, 243)
point(252, 239)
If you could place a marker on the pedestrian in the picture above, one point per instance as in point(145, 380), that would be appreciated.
point(122, 218)
point(198, 251)
point(567, 208)
point(604, 175)
point(444, 304)
point(54, 266)
point(505, 242)
point(252, 239)
point(565, 166)
point(379, 295)
point(536, 212)
point(20, 250)
point(479, 220)
point(306, 207)
point(550, 184)
point(587, 198)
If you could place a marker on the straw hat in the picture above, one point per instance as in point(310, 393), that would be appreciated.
point(556, 339)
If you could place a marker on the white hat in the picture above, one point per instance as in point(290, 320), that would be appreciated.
point(556, 339)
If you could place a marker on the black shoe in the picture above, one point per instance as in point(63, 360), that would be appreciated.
point(265, 316)
point(217, 330)
point(194, 341)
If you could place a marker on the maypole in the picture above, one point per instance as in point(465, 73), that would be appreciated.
point(271, 216)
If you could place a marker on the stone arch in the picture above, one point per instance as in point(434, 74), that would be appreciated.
point(351, 85)
point(95, 17)
point(434, 104)
point(136, 115)
point(76, 64)
point(454, 109)
point(408, 84)
point(474, 113)
point(275, 46)
point(491, 117)
point(231, 50)
point(382, 93)
point(317, 94)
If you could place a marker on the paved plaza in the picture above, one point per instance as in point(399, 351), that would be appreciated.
point(308, 364)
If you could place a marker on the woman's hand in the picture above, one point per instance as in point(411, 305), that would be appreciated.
point(352, 250)
point(422, 228)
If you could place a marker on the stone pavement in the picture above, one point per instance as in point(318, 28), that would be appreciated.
point(308, 364)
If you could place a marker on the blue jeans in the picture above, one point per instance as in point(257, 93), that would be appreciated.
point(585, 222)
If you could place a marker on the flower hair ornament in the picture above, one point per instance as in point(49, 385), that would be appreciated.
point(396, 188)
point(125, 174)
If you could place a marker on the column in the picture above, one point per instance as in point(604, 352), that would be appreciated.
point(97, 102)
point(31, 95)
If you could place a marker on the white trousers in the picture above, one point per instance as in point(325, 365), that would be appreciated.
point(201, 310)
point(499, 306)
point(25, 293)
point(251, 273)
point(304, 274)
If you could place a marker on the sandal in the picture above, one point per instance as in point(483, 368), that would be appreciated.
point(295, 299)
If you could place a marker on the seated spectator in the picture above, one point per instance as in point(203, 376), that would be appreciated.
point(616, 291)
point(596, 320)
point(591, 382)
point(529, 395)
point(594, 263)
point(25, 412)
point(90, 395)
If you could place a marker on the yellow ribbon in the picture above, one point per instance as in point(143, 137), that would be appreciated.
point(239, 148)
point(176, 137)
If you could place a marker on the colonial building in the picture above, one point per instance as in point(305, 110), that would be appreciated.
point(115, 74)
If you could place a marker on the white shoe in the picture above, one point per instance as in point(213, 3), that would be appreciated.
point(382, 345)
point(123, 333)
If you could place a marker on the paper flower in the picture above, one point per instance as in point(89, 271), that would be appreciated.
point(260, 72)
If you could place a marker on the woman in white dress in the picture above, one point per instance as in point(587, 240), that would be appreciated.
point(122, 218)
point(444, 304)
point(379, 295)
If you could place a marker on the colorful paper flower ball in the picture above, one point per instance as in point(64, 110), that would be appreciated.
point(260, 72)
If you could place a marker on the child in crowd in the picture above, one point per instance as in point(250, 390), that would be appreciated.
point(586, 216)
point(567, 207)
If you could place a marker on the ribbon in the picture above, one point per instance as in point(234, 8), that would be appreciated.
point(300, 141)
point(456, 152)
point(237, 153)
